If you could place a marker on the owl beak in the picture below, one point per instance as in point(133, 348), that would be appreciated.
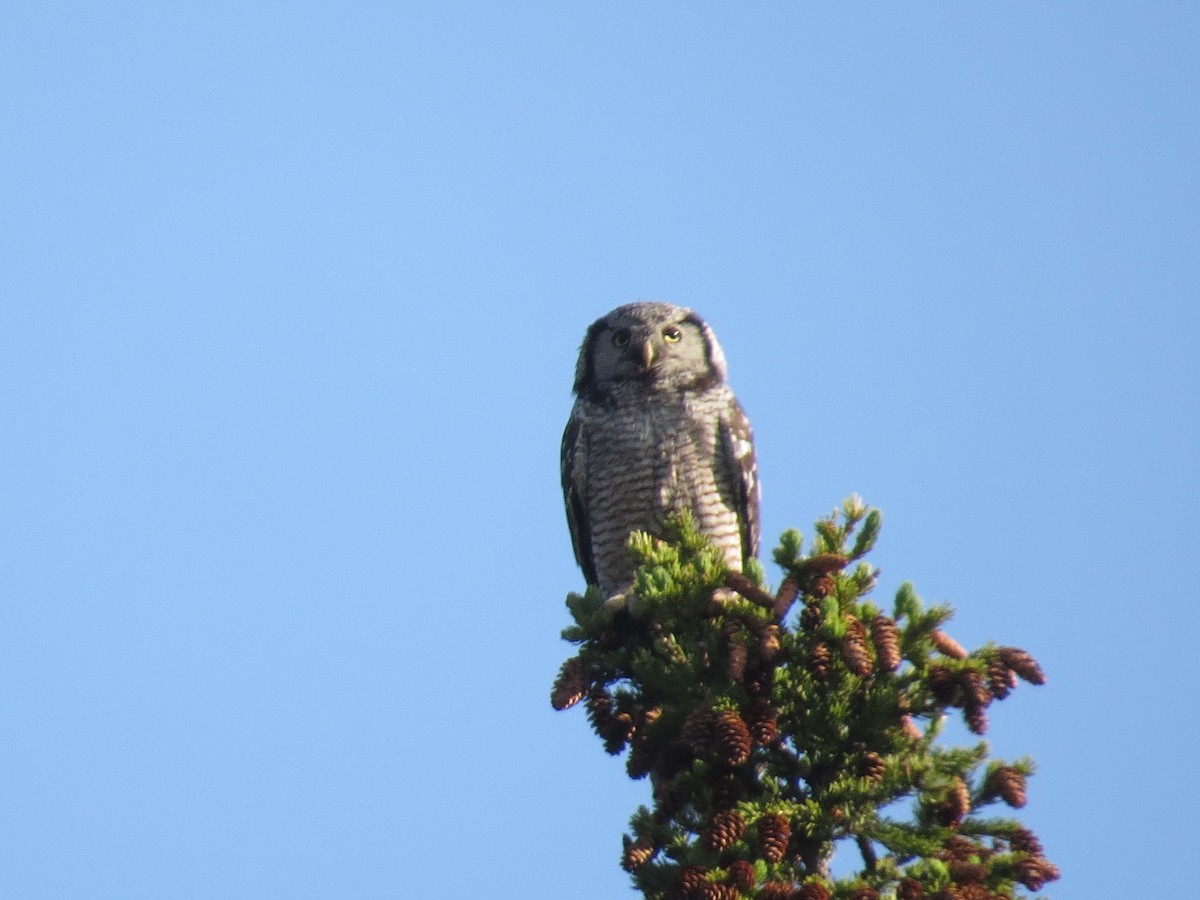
point(647, 355)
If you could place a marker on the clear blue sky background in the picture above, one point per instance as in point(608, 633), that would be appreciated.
point(291, 299)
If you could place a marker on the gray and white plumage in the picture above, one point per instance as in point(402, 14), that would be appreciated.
point(655, 430)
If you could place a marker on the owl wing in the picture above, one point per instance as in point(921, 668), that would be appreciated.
point(574, 479)
point(741, 464)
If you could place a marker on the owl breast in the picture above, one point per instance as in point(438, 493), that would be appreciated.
point(651, 460)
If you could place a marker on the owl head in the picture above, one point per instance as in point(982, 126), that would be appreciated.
point(654, 344)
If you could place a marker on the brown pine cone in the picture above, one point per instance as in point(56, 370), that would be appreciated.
point(1034, 872)
point(725, 828)
point(741, 875)
point(961, 848)
point(975, 688)
point(761, 719)
point(976, 719)
point(812, 890)
point(909, 889)
point(820, 659)
point(874, 767)
point(910, 728)
point(570, 685)
point(641, 757)
point(613, 727)
point(1023, 664)
point(768, 645)
point(810, 616)
point(1010, 785)
point(668, 799)
point(960, 796)
point(944, 685)
point(692, 880)
point(947, 645)
point(974, 892)
point(886, 637)
point(699, 729)
point(759, 676)
point(965, 872)
point(788, 591)
point(637, 854)
point(737, 660)
point(731, 738)
point(976, 697)
point(823, 586)
point(1001, 679)
point(726, 790)
point(774, 830)
point(1025, 841)
point(864, 893)
point(854, 649)
point(955, 805)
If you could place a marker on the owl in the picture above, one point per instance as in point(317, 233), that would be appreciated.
point(655, 431)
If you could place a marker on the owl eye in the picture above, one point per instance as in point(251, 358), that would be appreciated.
point(672, 335)
point(620, 338)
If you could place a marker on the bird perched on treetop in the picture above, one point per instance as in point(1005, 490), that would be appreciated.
point(655, 431)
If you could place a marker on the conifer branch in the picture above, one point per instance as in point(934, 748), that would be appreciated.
point(773, 726)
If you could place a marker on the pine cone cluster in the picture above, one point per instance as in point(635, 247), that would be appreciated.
point(743, 679)
point(968, 689)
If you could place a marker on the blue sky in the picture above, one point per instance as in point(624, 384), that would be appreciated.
point(292, 296)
